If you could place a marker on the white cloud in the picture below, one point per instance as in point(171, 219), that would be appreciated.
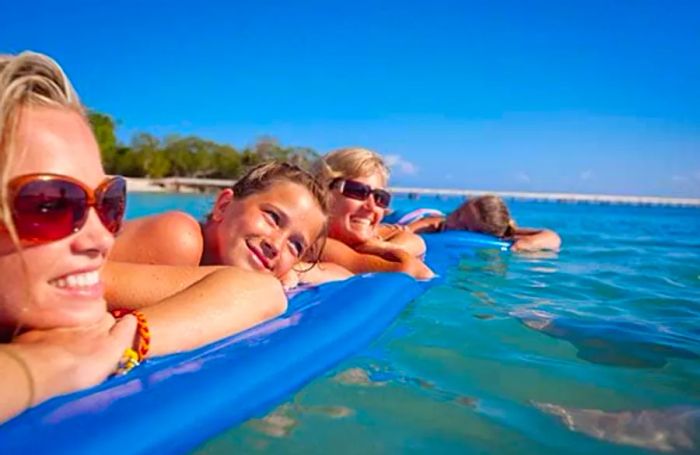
point(396, 163)
point(523, 177)
point(679, 179)
point(586, 175)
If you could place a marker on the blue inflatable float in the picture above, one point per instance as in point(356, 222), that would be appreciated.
point(173, 404)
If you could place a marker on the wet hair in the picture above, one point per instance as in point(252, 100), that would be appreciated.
point(261, 177)
point(27, 79)
point(492, 215)
point(349, 163)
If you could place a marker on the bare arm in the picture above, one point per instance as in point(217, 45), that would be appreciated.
point(375, 259)
point(133, 286)
point(528, 239)
point(403, 238)
point(187, 307)
point(39, 365)
point(321, 272)
point(426, 225)
point(222, 303)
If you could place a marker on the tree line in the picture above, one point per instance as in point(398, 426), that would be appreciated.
point(186, 156)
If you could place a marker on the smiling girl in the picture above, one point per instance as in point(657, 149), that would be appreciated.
point(269, 220)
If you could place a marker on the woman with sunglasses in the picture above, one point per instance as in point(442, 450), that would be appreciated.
point(58, 216)
point(357, 178)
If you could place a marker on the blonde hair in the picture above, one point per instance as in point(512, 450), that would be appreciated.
point(349, 163)
point(27, 79)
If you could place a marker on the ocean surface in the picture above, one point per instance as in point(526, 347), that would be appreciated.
point(595, 349)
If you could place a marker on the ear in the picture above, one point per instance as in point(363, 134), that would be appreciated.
point(222, 202)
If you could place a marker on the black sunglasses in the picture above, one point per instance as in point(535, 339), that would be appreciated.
point(360, 191)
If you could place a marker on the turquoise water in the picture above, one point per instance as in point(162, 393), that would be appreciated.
point(593, 349)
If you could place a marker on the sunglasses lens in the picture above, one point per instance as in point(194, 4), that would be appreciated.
point(356, 190)
point(382, 198)
point(112, 204)
point(49, 210)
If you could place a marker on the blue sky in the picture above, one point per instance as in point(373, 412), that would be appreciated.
point(591, 96)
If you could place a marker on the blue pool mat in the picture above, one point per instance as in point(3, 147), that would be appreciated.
point(173, 404)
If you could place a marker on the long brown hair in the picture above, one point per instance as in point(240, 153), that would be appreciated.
point(490, 214)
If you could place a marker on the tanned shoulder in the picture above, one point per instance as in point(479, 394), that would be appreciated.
point(171, 238)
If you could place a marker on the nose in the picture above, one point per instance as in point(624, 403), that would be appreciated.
point(370, 203)
point(271, 247)
point(93, 239)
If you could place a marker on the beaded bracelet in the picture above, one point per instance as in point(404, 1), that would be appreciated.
point(129, 360)
point(131, 357)
point(27, 372)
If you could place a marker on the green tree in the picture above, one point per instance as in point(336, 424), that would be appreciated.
point(129, 163)
point(154, 162)
point(186, 156)
point(227, 163)
point(103, 127)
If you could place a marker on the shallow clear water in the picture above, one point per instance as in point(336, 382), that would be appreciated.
point(596, 348)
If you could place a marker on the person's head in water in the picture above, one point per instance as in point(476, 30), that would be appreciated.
point(486, 214)
point(58, 210)
point(356, 178)
point(268, 221)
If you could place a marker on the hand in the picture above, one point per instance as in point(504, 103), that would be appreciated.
point(519, 245)
point(392, 252)
point(290, 280)
point(65, 360)
point(381, 248)
point(388, 231)
point(417, 269)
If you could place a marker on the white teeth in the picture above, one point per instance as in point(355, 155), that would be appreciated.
point(77, 280)
point(365, 221)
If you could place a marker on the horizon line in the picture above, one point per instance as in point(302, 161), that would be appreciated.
point(176, 183)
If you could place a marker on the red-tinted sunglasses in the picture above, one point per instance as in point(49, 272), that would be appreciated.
point(360, 191)
point(48, 207)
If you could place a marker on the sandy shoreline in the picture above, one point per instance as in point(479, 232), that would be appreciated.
point(144, 185)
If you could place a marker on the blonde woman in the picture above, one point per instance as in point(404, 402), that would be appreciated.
point(59, 213)
point(356, 179)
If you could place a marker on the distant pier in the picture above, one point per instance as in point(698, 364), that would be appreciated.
point(554, 197)
point(197, 185)
point(191, 185)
